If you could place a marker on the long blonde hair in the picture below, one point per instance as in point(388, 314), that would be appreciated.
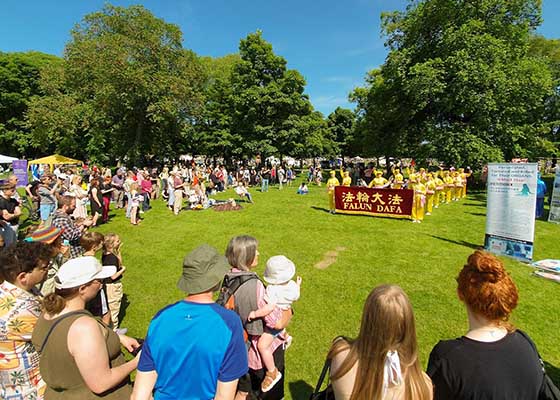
point(387, 324)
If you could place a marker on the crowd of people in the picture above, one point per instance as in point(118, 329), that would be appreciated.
point(61, 292)
point(430, 188)
point(53, 347)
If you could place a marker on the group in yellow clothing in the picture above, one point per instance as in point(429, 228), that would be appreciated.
point(430, 188)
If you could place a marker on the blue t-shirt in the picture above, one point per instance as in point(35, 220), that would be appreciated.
point(191, 346)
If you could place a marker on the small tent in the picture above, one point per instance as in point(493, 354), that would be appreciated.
point(6, 159)
point(55, 159)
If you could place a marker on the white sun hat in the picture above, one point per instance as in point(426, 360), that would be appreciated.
point(81, 270)
point(279, 269)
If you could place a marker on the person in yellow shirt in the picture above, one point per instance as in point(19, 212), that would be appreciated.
point(439, 196)
point(398, 179)
point(464, 176)
point(332, 182)
point(346, 179)
point(430, 192)
point(458, 190)
point(449, 185)
point(419, 198)
point(379, 182)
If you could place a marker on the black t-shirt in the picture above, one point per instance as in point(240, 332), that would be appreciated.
point(111, 259)
point(10, 206)
point(466, 369)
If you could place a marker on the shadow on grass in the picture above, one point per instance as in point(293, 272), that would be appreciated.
point(481, 205)
point(477, 214)
point(459, 242)
point(320, 209)
point(300, 389)
point(553, 372)
point(124, 305)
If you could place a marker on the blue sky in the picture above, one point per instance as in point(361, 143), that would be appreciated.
point(333, 43)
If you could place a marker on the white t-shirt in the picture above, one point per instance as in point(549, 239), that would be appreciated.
point(283, 295)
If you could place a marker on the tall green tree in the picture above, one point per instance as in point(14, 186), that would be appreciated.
point(341, 123)
point(459, 83)
point(129, 88)
point(213, 133)
point(271, 112)
point(19, 82)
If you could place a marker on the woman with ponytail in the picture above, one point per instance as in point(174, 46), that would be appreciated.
point(81, 356)
point(492, 360)
point(382, 362)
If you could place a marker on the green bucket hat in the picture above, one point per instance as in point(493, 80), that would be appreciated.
point(203, 268)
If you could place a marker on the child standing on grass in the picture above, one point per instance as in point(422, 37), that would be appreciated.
point(92, 242)
point(112, 256)
point(281, 292)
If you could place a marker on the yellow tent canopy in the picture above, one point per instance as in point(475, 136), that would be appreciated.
point(55, 159)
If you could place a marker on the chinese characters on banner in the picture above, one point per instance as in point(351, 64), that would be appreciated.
point(396, 203)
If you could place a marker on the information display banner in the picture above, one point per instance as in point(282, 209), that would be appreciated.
point(554, 212)
point(396, 203)
point(20, 170)
point(510, 209)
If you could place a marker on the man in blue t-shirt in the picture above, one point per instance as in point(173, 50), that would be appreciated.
point(194, 348)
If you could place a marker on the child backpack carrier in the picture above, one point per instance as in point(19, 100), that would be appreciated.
point(226, 297)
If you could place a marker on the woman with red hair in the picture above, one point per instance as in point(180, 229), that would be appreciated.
point(492, 360)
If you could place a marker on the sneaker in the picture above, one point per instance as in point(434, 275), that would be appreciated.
point(121, 331)
point(288, 342)
point(141, 212)
point(270, 379)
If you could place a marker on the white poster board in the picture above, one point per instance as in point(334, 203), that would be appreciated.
point(554, 212)
point(510, 209)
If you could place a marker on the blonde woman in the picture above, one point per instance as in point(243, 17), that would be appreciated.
point(135, 199)
point(81, 196)
point(382, 362)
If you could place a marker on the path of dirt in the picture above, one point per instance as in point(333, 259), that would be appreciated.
point(329, 258)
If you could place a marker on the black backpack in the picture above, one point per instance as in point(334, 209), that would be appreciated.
point(226, 297)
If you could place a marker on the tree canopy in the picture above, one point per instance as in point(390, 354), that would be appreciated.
point(127, 88)
point(459, 83)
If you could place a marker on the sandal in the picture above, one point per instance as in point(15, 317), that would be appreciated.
point(270, 379)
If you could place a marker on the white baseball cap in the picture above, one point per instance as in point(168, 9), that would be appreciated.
point(279, 269)
point(81, 270)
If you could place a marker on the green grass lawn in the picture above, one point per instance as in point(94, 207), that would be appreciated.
point(423, 259)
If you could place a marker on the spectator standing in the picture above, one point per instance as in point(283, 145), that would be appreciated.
point(281, 176)
point(117, 182)
point(492, 360)
point(243, 256)
point(22, 266)
point(47, 199)
point(95, 200)
point(127, 190)
point(146, 191)
point(71, 231)
point(81, 357)
point(382, 362)
point(208, 365)
point(10, 211)
point(106, 193)
point(112, 256)
point(81, 197)
point(265, 176)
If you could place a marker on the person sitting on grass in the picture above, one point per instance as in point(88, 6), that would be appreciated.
point(281, 292)
point(242, 191)
point(303, 189)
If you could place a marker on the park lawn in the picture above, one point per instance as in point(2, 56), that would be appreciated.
point(423, 259)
